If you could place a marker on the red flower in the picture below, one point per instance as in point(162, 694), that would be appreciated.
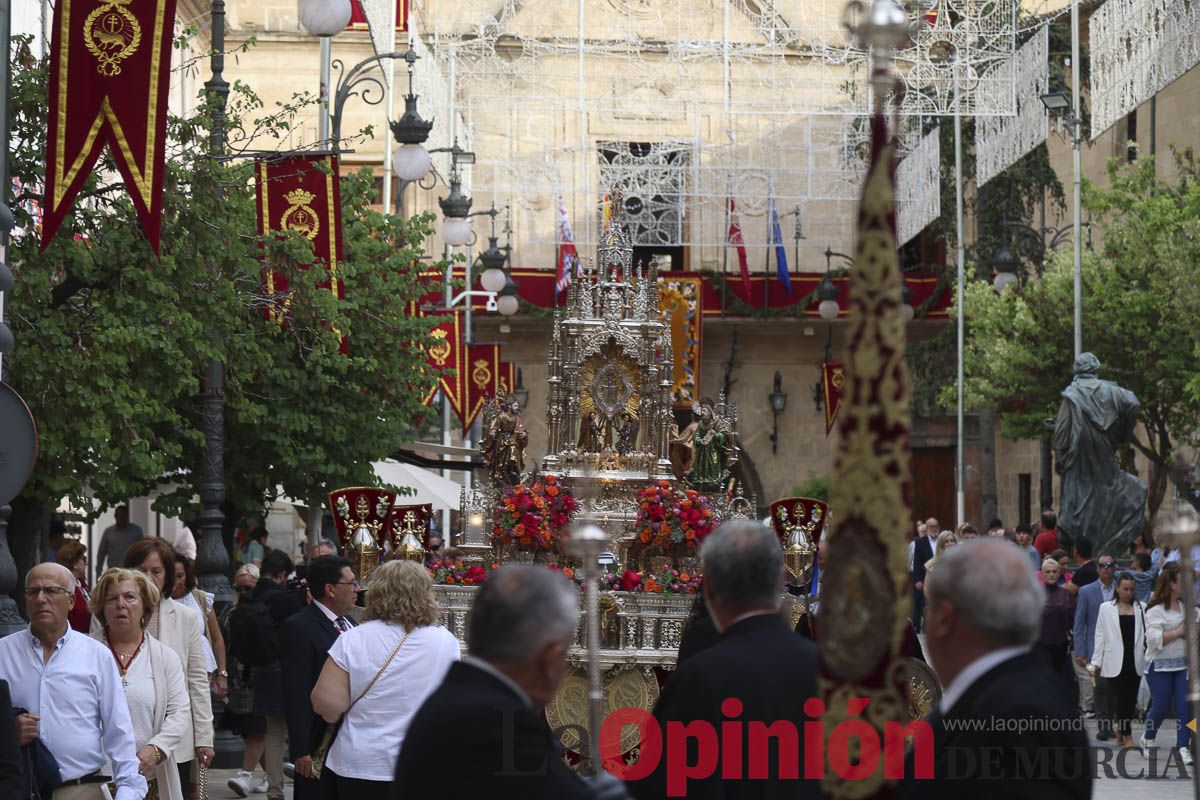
point(630, 581)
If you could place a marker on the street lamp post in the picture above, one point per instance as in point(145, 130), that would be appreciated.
point(212, 558)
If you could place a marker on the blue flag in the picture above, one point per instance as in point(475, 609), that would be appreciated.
point(781, 265)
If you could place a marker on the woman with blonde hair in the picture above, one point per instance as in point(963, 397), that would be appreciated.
point(945, 540)
point(155, 687)
point(391, 663)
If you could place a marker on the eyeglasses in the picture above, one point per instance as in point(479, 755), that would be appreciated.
point(353, 583)
point(50, 591)
point(1106, 564)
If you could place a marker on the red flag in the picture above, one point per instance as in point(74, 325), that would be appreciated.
point(735, 240)
point(568, 256)
point(110, 69)
point(446, 354)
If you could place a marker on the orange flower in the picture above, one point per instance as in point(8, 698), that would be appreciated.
point(552, 490)
point(645, 537)
point(691, 534)
point(683, 576)
point(449, 579)
point(567, 571)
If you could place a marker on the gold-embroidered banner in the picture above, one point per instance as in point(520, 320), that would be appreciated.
point(110, 65)
point(485, 375)
point(833, 379)
point(445, 358)
point(680, 301)
point(302, 194)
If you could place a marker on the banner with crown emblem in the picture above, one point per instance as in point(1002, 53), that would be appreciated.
point(833, 378)
point(302, 194)
point(110, 63)
point(483, 376)
point(445, 357)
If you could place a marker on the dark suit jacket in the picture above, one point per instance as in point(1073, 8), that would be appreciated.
point(994, 761)
point(12, 776)
point(772, 671)
point(510, 750)
point(304, 642)
point(922, 552)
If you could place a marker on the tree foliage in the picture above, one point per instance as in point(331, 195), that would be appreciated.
point(1139, 317)
point(112, 343)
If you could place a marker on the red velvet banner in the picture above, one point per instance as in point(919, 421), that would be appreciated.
point(445, 357)
point(110, 64)
point(302, 194)
point(833, 379)
point(358, 19)
point(481, 379)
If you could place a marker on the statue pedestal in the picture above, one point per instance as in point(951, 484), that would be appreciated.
point(10, 618)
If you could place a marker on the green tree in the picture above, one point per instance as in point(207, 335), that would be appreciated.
point(112, 342)
point(1139, 318)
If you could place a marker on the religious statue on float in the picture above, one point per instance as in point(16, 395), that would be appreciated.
point(706, 450)
point(504, 440)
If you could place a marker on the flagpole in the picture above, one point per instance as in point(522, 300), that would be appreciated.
point(725, 255)
point(767, 256)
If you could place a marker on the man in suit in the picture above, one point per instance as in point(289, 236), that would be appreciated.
point(1087, 609)
point(1005, 727)
point(304, 642)
point(759, 671)
point(922, 552)
point(489, 705)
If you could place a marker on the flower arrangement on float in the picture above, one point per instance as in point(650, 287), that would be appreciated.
point(452, 572)
point(533, 515)
point(673, 518)
point(664, 580)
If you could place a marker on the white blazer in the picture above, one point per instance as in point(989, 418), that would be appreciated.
point(1109, 653)
point(172, 715)
point(179, 630)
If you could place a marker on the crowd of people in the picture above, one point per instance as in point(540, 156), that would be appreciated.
point(1111, 635)
point(115, 684)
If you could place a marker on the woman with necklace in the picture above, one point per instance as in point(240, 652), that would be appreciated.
point(179, 629)
point(151, 675)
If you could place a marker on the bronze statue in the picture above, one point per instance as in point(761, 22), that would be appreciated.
point(1100, 500)
point(504, 440)
point(593, 436)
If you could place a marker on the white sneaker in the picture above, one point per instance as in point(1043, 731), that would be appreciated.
point(1186, 754)
point(240, 784)
point(261, 788)
point(1144, 744)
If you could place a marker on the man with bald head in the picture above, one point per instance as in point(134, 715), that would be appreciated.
point(1005, 727)
point(68, 684)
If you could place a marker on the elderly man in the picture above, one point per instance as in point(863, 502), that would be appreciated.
point(1005, 728)
point(489, 705)
point(922, 552)
point(68, 685)
point(759, 671)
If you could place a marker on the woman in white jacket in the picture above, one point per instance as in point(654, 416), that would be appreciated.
point(151, 675)
point(1120, 653)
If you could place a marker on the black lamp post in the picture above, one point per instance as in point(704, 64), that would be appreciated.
point(212, 557)
point(778, 399)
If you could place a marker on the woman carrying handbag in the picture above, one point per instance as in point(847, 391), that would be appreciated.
point(377, 676)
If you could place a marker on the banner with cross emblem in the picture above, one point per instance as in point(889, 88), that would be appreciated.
point(833, 379)
point(300, 194)
point(110, 71)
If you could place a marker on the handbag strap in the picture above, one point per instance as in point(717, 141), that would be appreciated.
point(382, 669)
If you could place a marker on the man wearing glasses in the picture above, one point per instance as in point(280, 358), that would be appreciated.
point(68, 683)
point(1087, 609)
point(305, 639)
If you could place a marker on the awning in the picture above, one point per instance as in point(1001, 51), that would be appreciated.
point(429, 486)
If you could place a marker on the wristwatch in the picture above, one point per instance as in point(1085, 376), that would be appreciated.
point(223, 674)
